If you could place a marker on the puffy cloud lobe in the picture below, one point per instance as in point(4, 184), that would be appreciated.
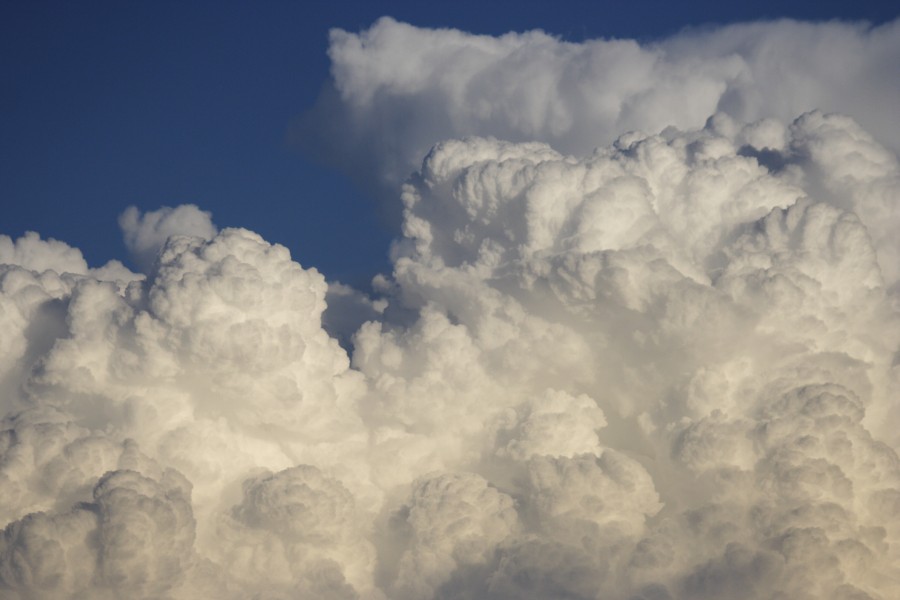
point(557, 424)
point(674, 191)
point(48, 556)
point(298, 503)
point(796, 486)
point(35, 254)
point(146, 233)
point(299, 530)
point(209, 367)
point(50, 463)
point(135, 538)
point(33, 315)
point(849, 169)
point(581, 518)
point(450, 521)
point(43, 256)
point(206, 334)
point(146, 531)
point(589, 496)
point(399, 89)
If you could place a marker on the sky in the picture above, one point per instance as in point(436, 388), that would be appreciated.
point(112, 104)
point(473, 300)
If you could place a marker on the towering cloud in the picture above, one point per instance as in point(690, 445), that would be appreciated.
point(661, 369)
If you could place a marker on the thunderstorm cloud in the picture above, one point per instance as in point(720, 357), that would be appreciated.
point(640, 342)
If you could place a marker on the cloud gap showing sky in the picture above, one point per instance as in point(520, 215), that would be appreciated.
point(639, 341)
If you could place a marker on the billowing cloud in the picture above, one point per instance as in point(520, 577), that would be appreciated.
point(398, 89)
point(662, 369)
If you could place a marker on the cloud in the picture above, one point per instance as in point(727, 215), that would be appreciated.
point(398, 89)
point(146, 233)
point(735, 322)
point(664, 368)
point(216, 366)
point(35, 254)
point(449, 521)
point(44, 256)
point(133, 534)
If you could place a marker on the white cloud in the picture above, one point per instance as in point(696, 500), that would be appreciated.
point(145, 234)
point(450, 521)
point(399, 89)
point(33, 253)
point(663, 369)
point(581, 367)
point(43, 256)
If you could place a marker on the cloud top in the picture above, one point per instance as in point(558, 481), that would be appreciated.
point(398, 89)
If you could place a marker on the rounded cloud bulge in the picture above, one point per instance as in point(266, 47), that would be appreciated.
point(658, 365)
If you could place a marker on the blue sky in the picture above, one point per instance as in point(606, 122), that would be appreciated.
point(109, 104)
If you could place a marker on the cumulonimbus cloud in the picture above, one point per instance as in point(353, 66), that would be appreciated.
point(662, 369)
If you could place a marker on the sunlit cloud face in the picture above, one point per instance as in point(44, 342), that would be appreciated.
point(659, 365)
